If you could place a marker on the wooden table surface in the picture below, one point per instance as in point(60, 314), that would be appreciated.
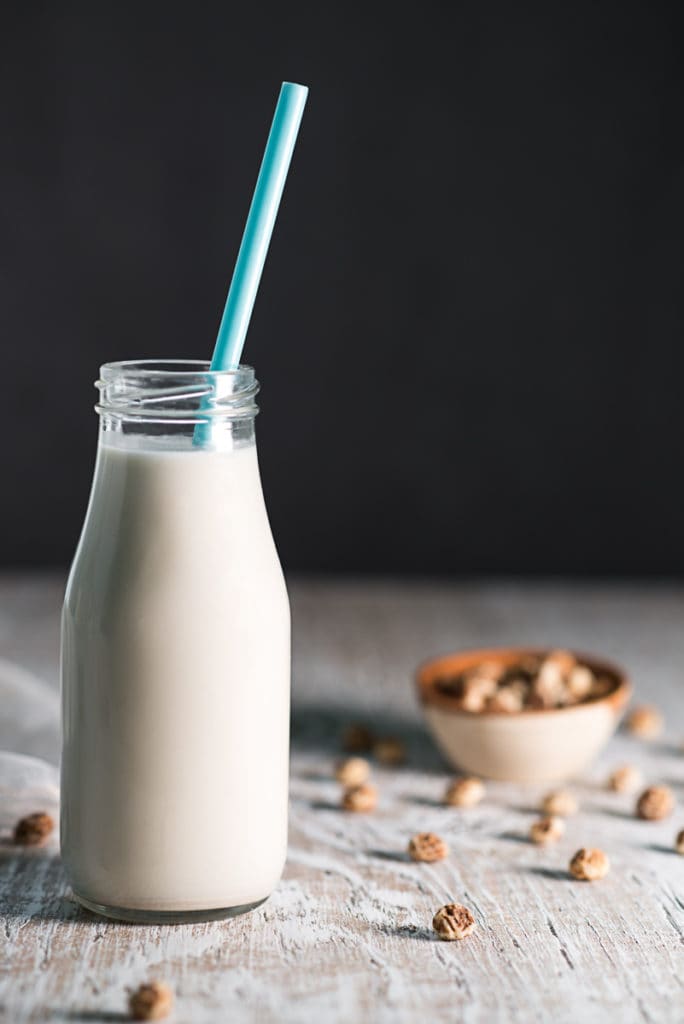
point(347, 936)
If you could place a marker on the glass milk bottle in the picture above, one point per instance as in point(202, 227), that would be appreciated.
point(175, 656)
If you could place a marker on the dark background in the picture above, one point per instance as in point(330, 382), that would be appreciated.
point(469, 330)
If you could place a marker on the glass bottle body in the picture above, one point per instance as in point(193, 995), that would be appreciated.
point(175, 659)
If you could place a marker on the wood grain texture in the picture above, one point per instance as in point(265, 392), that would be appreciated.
point(347, 936)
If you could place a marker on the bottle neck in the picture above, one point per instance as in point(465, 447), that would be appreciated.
point(176, 402)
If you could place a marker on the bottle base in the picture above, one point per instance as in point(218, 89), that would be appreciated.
point(133, 916)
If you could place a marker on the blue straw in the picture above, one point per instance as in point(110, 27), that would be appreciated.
point(259, 227)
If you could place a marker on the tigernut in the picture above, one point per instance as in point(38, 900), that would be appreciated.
point(389, 751)
point(655, 803)
point(361, 798)
point(589, 865)
point(34, 829)
point(466, 792)
point(352, 771)
point(427, 846)
point(357, 739)
point(152, 1001)
point(625, 779)
point(546, 830)
point(560, 802)
point(453, 921)
point(645, 721)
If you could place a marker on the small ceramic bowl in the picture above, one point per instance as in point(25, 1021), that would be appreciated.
point(526, 746)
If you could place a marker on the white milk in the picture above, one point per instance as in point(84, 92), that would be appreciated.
point(176, 677)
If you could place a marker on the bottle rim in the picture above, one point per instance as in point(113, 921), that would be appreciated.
point(186, 390)
point(168, 368)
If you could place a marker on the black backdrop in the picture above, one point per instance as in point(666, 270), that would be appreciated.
point(469, 330)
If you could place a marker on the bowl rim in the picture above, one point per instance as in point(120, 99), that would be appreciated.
point(428, 672)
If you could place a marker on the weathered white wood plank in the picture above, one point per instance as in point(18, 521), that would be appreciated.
point(347, 934)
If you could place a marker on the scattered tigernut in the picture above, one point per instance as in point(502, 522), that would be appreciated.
point(357, 739)
point(589, 865)
point(352, 771)
point(679, 842)
point(560, 803)
point(361, 798)
point(389, 750)
point(655, 803)
point(645, 721)
point(464, 792)
point(546, 830)
point(625, 779)
point(152, 1001)
point(453, 922)
point(428, 847)
point(33, 829)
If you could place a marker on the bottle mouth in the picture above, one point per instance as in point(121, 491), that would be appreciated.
point(184, 390)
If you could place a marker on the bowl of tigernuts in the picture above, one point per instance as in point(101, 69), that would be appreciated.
point(522, 714)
